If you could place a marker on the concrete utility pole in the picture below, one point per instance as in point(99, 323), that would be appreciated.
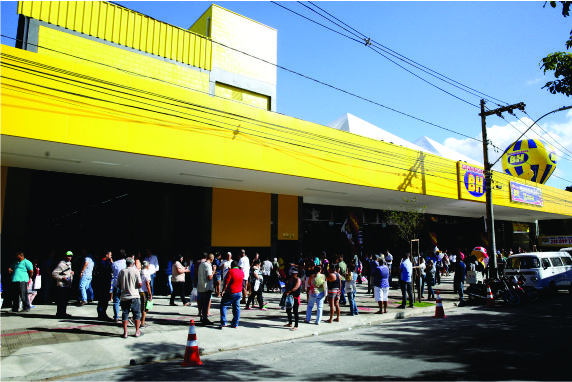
point(492, 248)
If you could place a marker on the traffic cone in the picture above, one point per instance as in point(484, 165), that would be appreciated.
point(490, 300)
point(439, 312)
point(192, 351)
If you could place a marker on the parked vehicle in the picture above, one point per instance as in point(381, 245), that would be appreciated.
point(542, 270)
point(500, 289)
point(518, 284)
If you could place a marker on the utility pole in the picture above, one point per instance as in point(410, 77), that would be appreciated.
point(488, 182)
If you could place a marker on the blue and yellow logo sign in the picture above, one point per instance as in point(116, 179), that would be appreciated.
point(471, 182)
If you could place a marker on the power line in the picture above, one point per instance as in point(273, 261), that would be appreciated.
point(362, 39)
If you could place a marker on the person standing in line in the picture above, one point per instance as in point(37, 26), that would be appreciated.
point(218, 274)
point(266, 272)
point(231, 293)
point(35, 283)
point(406, 276)
point(117, 267)
point(145, 290)
point(350, 289)
point(459, 277)
point(86, 276)
point(226, 266)
point(153, 267)
point(334, 289)
point(205, 287)
point(422, 266)
point(129, 282)
point(389, 263)
point(430, 272)
point(293, 289)
point(384, 283)
point(178, 280)
point(21, 271)
point(256, 285)
point(63, 274)
point(244, 264)
point(316, 294)
point(169, 273)
point(343, 272)
point(103, 288)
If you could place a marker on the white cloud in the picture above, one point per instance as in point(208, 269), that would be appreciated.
point(558, 135)
point(533, 82)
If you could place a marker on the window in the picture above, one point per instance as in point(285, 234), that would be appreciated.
point(557, 262)
point(566, 260)
point(546, 263)
point(522, 263)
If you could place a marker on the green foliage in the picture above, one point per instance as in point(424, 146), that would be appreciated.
point(560, 62)
point(409, 220)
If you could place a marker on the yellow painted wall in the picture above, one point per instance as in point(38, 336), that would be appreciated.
point(287, 217)
point(175, 123)
point(123, 26)
point(200, 26)
point(229, 29)
point(241, 95)
point(240, 219)
point(70, 47)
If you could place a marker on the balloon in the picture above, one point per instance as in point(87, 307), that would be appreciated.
point(530, 159)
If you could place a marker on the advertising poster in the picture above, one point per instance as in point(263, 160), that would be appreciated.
point(471, 180)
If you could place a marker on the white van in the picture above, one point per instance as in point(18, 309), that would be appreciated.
point(543, 270)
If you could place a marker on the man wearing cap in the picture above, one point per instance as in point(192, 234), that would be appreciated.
point(64, 277)
point(21, 272)
point(129, 281)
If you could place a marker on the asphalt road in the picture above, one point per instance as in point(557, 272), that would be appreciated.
point(528, 342)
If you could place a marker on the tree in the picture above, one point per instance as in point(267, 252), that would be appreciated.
point(409, 219)
point(560, 62)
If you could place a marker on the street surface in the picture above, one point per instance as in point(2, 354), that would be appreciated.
point(528, 342)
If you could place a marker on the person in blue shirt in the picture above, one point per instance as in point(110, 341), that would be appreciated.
point(21, 272)
point(406, 268)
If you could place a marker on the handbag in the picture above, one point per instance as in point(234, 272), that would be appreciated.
point(256, 285)
point(148, 304)
point(37, 282)
point(286, 301)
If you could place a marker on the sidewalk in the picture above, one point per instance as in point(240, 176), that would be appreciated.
point(37, 345)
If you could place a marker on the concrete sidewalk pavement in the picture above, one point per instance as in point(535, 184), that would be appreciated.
point(37, 345)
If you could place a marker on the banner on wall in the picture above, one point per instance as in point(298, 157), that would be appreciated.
point(471, 180)
point(557, 241)
point(522, 193)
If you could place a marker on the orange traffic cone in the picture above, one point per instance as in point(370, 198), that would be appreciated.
point(439, 312)
point(490, 300)
point(192, 351)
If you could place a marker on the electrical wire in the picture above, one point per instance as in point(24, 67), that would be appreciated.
point(381, 49)
point(321, 83)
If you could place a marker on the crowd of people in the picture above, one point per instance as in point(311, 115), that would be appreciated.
point(127, 281)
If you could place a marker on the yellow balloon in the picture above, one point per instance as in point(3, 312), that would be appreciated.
point(530, 159)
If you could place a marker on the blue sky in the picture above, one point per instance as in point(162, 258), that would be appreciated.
point(493, 47)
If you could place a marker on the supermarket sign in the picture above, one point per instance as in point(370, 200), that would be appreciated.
point(557, 241)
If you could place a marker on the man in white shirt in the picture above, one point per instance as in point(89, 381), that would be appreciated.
point(116, 267)
point(244, 264)
point(266, 271)
point(226, 265)
point(153, 267)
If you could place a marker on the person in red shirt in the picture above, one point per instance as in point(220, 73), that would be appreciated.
point(231, 295)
